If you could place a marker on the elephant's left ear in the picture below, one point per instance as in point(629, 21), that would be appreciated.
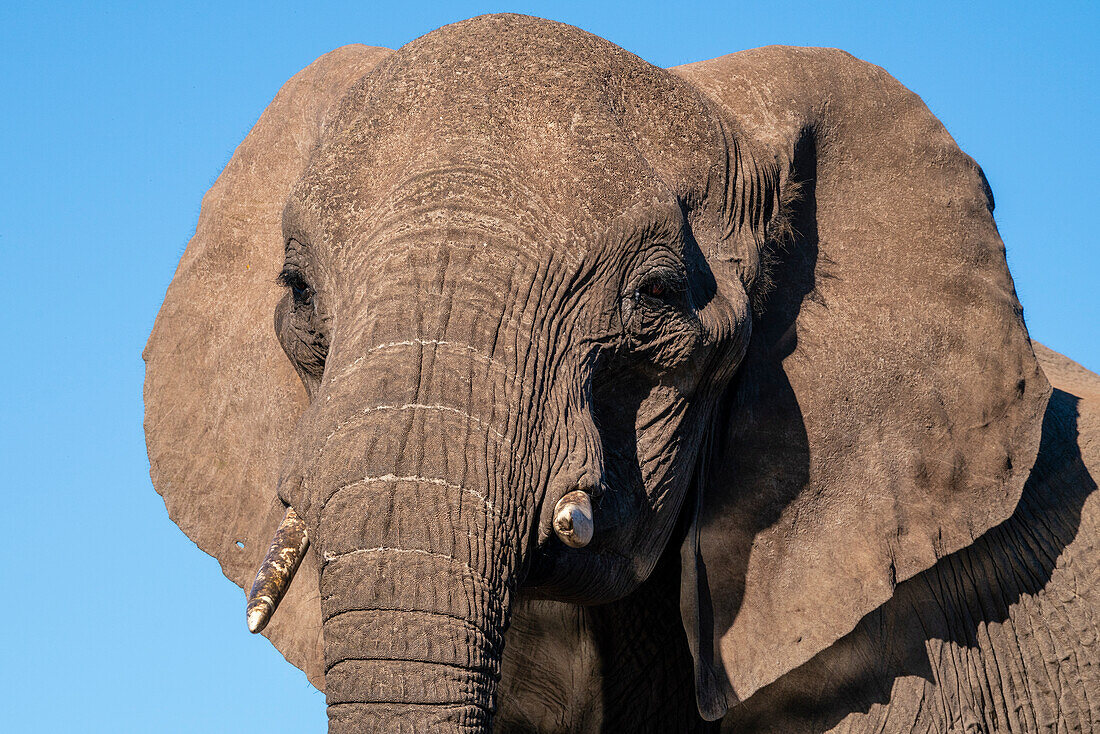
point(889, 408)
point(221, 398)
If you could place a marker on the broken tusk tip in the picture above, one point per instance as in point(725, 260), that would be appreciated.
point(563, 523)
point(573, 519)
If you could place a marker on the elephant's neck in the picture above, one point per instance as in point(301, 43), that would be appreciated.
point(623, 666)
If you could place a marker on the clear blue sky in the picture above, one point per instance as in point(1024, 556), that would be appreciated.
point(118, 117)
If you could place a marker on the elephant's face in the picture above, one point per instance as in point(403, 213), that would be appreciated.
point(522, 269)
point(537, 304)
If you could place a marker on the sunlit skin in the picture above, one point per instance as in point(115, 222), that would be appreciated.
point(612, 398)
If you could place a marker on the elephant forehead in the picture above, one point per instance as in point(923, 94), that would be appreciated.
point(556, 112)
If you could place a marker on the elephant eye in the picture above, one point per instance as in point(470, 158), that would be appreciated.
point(661, 287)
point(299, 288)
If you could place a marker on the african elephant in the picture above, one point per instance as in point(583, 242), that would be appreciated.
point(613, 398)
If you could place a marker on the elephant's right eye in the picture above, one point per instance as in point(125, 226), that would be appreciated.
point(302, 327)
point(301, 291)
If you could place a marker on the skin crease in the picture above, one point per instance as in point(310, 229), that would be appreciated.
point(515, 261)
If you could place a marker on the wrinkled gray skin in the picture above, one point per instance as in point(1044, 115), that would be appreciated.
point(757, 308)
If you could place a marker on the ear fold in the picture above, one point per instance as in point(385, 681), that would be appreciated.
point(221, 399)
point(889, 408)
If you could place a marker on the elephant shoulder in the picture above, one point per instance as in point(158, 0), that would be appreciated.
point(1067, 375)
point(1081, 388)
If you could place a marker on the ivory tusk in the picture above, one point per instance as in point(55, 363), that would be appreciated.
point(277, 570)
point(573, 519)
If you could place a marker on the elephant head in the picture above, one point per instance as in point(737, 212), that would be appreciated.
point(752, 312)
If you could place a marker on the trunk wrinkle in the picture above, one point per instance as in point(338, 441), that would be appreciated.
point(392, 478)
point(455, 705)
point(440, 585)
point(406, 719)
point(409, 681)
point(478, 354)
point(480, 422)
point(491, 639)
point(488, 670)
point(329, 556)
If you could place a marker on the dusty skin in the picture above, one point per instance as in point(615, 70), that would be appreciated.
point(754, 309)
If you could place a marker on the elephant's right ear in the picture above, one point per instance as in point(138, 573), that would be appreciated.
point(889, 408)
point(221, 399)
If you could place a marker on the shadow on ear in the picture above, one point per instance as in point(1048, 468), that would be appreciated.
point(1024, 569)
point(889, 408)
point(221, 399)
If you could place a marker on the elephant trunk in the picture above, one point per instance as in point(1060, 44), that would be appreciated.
point(418, 536)
point(407, 648)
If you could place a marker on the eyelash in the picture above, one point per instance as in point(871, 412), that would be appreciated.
point(300, 290)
